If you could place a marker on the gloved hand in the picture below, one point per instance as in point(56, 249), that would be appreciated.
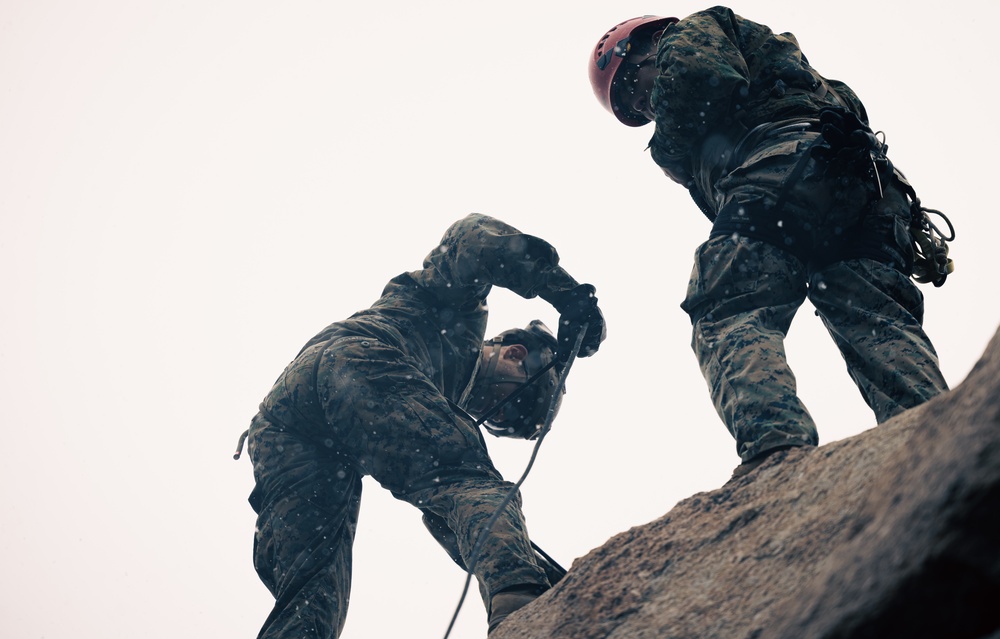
point(578, 306)
point(843, 129)
point(846, 139)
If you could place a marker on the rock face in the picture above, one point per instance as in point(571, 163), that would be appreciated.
point(892, 533)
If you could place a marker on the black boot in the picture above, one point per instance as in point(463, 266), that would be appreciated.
point(751, 464)
point(510, 599)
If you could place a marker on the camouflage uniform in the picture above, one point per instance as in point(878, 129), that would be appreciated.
point(375, 395)
point(736, 116)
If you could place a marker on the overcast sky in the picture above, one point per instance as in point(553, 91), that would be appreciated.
point(190, 190)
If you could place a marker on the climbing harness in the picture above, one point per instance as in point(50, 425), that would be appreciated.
point(847, 143)
point(471, 564)
point(847, 146)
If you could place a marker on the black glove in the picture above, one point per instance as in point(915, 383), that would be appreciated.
point(847, 143)
point(578, 306)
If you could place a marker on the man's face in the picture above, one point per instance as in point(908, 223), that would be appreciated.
point(507, 376)
point(636, 88)
point(638, 75)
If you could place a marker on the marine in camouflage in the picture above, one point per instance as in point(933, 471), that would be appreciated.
point(376, 394)
point(737, 116)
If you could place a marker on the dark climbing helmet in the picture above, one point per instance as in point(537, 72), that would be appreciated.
point(606, 64)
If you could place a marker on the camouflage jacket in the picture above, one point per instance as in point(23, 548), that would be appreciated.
point(437, 315)
point(720, 76)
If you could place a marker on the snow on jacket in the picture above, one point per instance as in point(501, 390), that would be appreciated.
point(721, 75)
point(437, 315)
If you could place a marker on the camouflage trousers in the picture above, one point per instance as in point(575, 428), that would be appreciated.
point(353, 408)
point(742, 297)
point(788, 229)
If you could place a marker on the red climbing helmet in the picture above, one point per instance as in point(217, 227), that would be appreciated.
point(607, 59)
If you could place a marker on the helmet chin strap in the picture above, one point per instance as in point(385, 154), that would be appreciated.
point(494, 357)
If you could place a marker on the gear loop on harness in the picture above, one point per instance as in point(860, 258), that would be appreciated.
point(934, 227)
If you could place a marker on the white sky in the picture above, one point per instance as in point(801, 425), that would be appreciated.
point(190, 190)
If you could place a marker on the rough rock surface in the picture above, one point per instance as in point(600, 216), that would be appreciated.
point(892, 533)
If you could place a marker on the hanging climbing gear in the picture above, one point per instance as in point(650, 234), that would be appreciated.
point(931, 263)
point(850, 147)
point(546, 427)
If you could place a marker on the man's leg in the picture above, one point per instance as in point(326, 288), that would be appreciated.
point(874, 314)
point(307, 503)
point(503, 603)
point(741, 299)
point(505, 558)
